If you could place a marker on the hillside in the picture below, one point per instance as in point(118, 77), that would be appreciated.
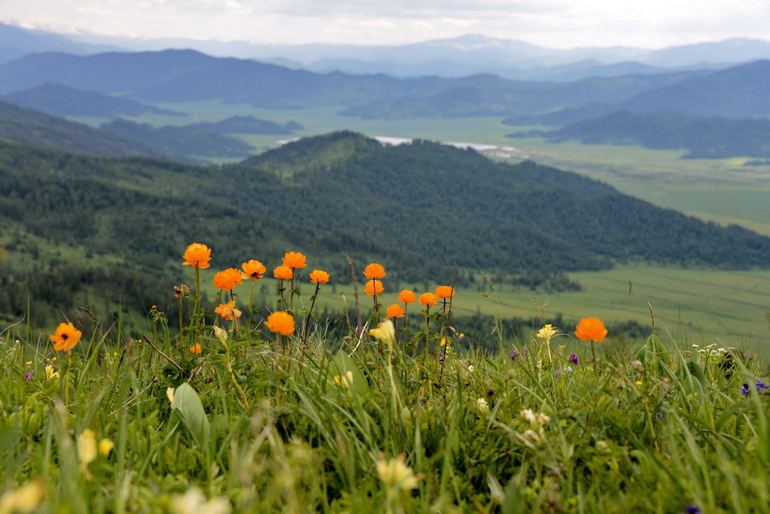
point(35, 128)
point(59, 100)
point(249, 125)
point(185, 143)
point(418, 208)
point(713, 138)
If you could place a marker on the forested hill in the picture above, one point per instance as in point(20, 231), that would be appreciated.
point(438, 200)
point(69, 224)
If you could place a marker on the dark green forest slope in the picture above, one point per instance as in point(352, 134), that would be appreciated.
point(419, 209)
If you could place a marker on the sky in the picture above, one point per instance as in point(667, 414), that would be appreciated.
point(550, 23)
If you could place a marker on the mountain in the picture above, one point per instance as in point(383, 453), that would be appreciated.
point(184, 75)
point(716, 138)
point(59, 100)
point(737, 50)
point(737, 92)
point(16, 42)
point(35, 128)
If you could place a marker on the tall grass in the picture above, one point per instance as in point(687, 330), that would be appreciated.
point(363, 423)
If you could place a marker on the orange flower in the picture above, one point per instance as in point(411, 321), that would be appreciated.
point(394, 311)
point(197, 255)
point(281, 322)
point(228, 311)
point(66, 337)
point(319, 277)
point(373, 287)
point(196, 349)
point(407, 296)
point(374, 270)
point(444, 292)
point(283, 272)
point(428, 299)
point(591, 329)
point(254, 269)
point(294, 260)
point(228, 279)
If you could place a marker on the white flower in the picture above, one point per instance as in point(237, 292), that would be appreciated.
point(482, 405)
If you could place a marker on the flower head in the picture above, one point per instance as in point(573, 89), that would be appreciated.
point(427, 299)
point(283, 272)
point(294, 260)
point(87, 446)
point(281, 322)
point(105, 447)
point(197, 255)
point(574, 358)
point(591, 329)
point(66, 337)
point(385, 332)
point(344, 381)
point(374, 270)
point(396, 475)
point(228, 279)
point(254, 269)
point(407, 296)
point(319, 277)
point(444, 292)
point(547, 332)
point(374, 287)
point(228, 311)
point(395, 311)
point(196, 349)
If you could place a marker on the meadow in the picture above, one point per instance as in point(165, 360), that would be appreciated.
point(269, 412)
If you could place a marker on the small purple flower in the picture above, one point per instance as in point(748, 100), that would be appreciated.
point(660, 415)
point(490, 392)
point(574, 359)
point(28, 376)
point(691, 508)
point(513, 355)
point(525, 351)
point(761, 386)
point(557, 373)
point(745, 389)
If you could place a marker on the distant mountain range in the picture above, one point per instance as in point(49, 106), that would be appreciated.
point(184, 75)
point(462, 56)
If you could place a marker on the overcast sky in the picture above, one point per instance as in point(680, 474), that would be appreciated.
point(550, 23)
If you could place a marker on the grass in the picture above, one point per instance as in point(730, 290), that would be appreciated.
point(308, 422)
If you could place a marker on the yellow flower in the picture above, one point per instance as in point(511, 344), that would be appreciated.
point(87, 446)
point(396, 475)
point(385, 332)
point(25, 499)
point(105, 447)
point(547, 332)
point(344, 381)
point(50, 373)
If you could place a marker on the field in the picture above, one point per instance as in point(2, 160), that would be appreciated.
point(223, 418)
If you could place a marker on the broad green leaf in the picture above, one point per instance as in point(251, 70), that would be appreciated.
point(188, 406)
